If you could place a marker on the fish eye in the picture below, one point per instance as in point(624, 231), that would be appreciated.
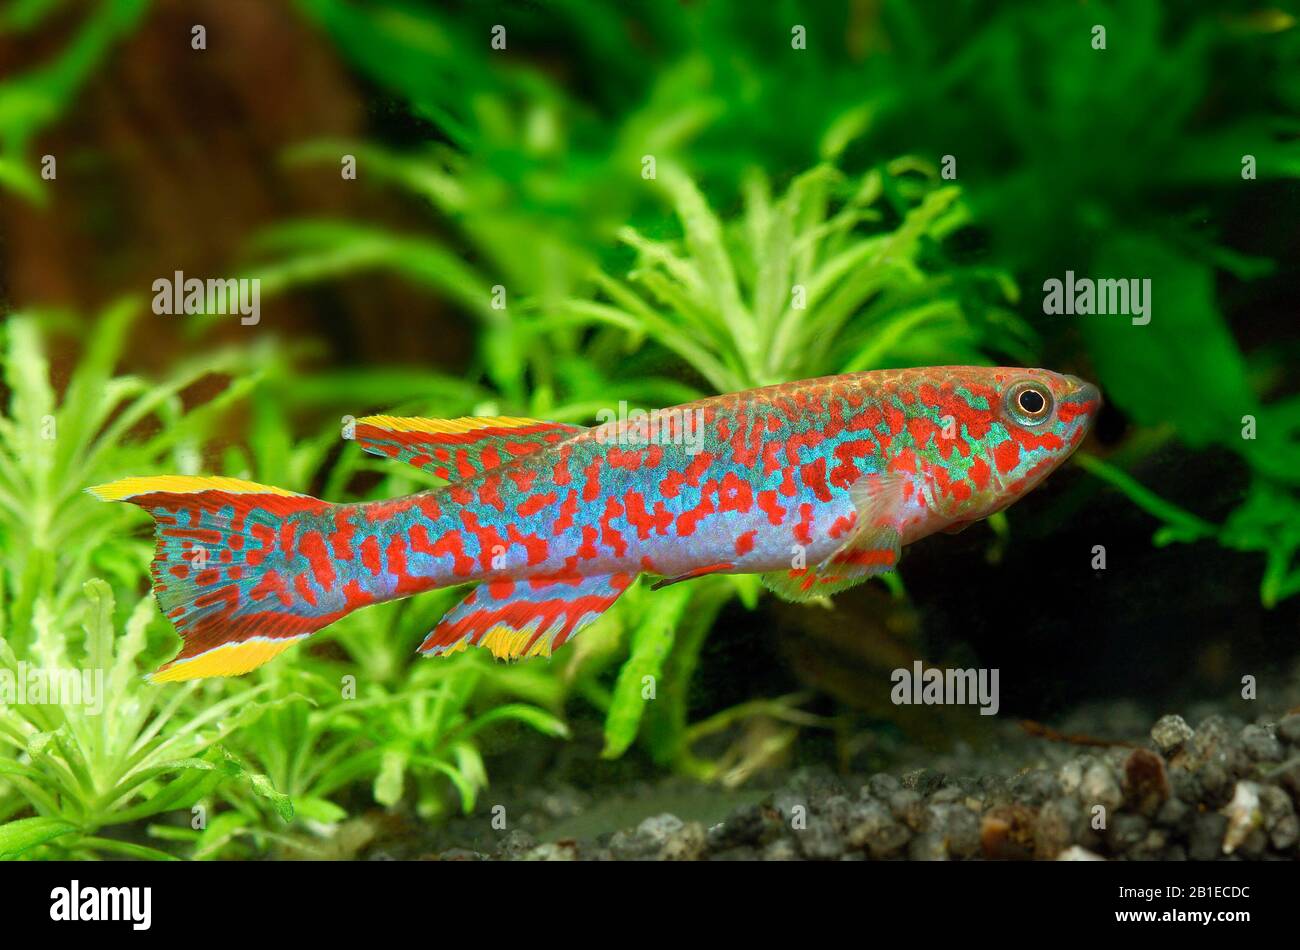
point(1029, 403)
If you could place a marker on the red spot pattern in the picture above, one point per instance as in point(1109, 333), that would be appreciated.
point(535, 503)
point(803, 530)
point(1006, 455)
point(768, 504)
point(370, 554)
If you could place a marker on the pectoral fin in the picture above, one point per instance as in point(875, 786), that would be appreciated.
point(872, 547)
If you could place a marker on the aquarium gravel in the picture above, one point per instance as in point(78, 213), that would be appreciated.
point(1225, 790)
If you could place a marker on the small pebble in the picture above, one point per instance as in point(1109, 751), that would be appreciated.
point(957, 826)
point(1146, 786)
point(1288, 776)
point(1125, 832)
point(1170, 732)
point(1288, 729)
point(947, 795)
point(1076, 853)
point(751, 825)
point(782, 849)
point(1205, 840)
point(882, 785)
point(923, 781)
point(820, 841)
point(1070, 775)
point(1100, 787)
point(928, 847)
point(1173, 813)
point(1261, 745)
point(1007, 832)
point(909, 808)
point(552, 851)
point(687, 843)
point(1035, 787)
point(516, 843)
point(659, 828)
point(1280, 820)
point(877, 830)
point(1058, 827)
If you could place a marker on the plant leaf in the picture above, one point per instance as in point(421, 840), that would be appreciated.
point(26, 833)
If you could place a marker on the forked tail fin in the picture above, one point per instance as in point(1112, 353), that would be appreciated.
point(218, 570)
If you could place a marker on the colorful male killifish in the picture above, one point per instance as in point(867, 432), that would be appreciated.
point(816, 485)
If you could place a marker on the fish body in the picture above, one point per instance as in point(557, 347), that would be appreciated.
point(816, 485)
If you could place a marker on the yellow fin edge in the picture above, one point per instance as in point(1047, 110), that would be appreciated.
point(447, 426)
point(125, 488)
point(508, 644)
point(228, 659)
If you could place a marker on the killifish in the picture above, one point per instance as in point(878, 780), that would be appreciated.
point(816, 485)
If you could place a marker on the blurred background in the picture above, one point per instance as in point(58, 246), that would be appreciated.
point(632, 176)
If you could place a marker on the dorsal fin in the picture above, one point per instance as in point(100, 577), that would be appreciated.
point(456, 449)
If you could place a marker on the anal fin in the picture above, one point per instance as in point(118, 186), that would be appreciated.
point(525, 618)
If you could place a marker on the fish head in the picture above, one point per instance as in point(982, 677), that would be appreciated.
point(1039, 419)
point(984, 436)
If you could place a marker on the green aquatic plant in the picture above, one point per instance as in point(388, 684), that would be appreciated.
point(53, 536)
point(1073, 157)
point(401, 725)
point(417, 738)
point(379, 713)
point(141, 755)
point(91, 762)
point(1085, 159)
point(430, 730)
point(838, 273)
point(835, 275)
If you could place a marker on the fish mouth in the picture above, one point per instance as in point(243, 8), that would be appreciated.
point(1084, 400)
point(1082, 391)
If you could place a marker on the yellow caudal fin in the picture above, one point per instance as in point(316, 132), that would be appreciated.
point(225, 659)
point(214, 570)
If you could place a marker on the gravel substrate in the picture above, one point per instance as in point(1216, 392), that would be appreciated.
point(1224, 790)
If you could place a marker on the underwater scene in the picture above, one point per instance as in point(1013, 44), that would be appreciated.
point(863, 430)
